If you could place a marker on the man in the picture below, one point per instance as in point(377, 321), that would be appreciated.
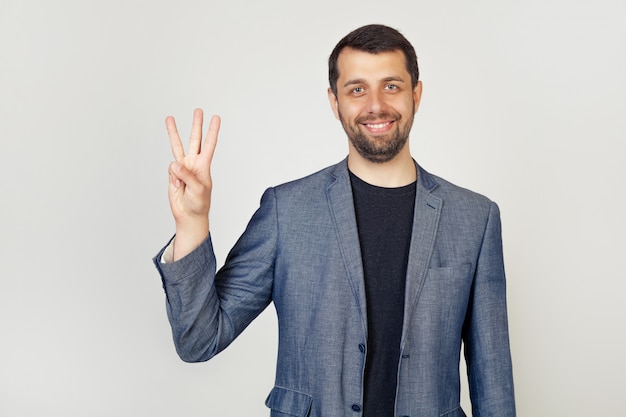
point(378, 270)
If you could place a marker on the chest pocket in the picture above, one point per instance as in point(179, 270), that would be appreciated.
point(286, 402)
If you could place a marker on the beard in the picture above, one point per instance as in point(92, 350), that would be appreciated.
point(378, 148)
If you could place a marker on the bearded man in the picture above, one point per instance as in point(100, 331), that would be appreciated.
point(378, 270)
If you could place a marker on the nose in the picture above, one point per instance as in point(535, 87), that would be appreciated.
point(375, 102)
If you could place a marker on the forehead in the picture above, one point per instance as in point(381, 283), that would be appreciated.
point(353, 63)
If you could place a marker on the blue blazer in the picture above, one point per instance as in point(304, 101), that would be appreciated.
point(301, 252)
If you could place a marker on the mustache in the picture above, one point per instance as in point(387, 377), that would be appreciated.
point(372, 117)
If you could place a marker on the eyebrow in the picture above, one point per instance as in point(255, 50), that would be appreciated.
point(362, 81)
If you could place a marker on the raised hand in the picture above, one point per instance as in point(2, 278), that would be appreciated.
point(190, 182)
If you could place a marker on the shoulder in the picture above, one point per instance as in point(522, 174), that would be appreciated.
point(456, 197)
point(306, 198)
point(316, 182)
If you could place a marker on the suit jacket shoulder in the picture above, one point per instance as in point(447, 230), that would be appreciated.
point(453, 193)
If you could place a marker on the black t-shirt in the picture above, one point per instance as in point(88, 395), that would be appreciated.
point(384, 219)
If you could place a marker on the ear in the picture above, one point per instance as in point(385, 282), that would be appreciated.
point(417, 95)
point(332, 99)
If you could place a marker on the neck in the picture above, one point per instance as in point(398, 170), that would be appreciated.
point(398, 172)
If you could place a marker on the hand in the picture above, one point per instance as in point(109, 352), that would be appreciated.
point(190, 182)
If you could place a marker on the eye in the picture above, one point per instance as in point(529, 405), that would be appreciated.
point(391, 87)
point(358, 90)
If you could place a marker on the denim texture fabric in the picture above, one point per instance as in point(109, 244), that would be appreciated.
point(301, 252)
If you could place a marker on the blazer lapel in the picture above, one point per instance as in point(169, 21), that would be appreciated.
point(341, 205)
point(425, 221)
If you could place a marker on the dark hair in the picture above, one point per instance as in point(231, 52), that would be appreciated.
point(374, 39)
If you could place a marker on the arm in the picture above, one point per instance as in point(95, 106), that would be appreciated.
point(485, 332)
point(207, 311)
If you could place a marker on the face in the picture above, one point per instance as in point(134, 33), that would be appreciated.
point(375, 103)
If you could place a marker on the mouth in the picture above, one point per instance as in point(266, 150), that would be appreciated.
point(379, 127)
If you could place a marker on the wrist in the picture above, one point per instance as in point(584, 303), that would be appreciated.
point(189, 236)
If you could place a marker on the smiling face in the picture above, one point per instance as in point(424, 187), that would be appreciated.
point(375, 103)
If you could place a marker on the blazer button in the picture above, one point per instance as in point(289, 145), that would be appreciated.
point(356, 407)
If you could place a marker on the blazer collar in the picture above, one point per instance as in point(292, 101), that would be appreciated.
point(340, 174)
point(341, 204)
point(426, 216)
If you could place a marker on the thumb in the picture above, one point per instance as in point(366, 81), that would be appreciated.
point(180, 175)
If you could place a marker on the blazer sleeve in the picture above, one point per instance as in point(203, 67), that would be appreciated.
point(208, 310)
point(485, 334)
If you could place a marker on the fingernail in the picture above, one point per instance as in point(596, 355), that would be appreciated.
point(176, 167)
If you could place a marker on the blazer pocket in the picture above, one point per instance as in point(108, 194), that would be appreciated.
point(287, 402)
point(463, 269)
point(455, 412)
point(453, 281)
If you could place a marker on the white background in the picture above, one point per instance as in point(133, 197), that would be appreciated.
point(523, 101)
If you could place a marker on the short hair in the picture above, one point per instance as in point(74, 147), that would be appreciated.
point(374, 39)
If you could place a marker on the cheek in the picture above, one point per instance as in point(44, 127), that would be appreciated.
point(408, 107)
point(358, 108)
point(345, 111)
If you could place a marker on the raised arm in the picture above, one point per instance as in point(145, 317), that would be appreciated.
point(190, 182)
point(207, 311)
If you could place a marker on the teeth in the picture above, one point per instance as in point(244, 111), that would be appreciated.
point(378, 126)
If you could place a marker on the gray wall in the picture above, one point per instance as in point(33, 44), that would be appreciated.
point(523, 102)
